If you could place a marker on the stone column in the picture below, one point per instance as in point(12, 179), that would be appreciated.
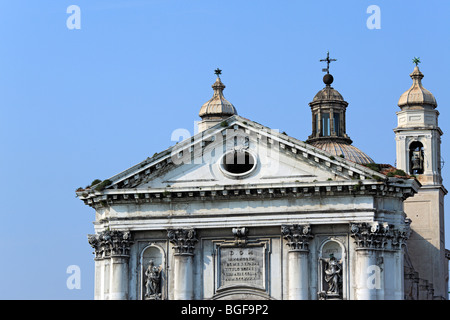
point(320, 123)
point(112, 253)
point(298, 272)
point(94, 241)
point(332, 133)
point(120, 255)
point(370, 240)
point(183, 241)
point(398, 245)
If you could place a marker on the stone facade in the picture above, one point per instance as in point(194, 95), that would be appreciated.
point(269, 234)
point(240, 211)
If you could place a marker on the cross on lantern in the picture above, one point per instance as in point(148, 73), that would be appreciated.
point(327, 60)
point(416, 60)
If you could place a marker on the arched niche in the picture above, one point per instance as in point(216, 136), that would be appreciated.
point(332, 270)
point(153, 273)
point(416, 157)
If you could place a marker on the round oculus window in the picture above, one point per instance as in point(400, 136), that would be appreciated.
point(238, 163)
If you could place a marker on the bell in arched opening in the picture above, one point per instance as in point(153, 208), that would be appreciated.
point(416, 157)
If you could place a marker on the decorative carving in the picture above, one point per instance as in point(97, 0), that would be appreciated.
point(297, 236)
point(378, 235)
point(240, 236)
point(401, 235)
point(110, 243)
point(153, 282)
point(184, 240)
point(370, 235)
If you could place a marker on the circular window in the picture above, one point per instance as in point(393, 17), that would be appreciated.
point(238, 163)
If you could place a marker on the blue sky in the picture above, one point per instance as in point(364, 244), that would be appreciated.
point(76, 105)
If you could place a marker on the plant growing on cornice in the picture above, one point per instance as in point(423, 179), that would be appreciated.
point(357, 186)
point(397, 172)
point(373, 166)
point(377, 177)
point(101, 186)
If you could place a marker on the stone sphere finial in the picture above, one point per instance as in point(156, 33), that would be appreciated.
point(328, 79)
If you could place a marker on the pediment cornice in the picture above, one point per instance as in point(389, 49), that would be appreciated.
point(128, 185)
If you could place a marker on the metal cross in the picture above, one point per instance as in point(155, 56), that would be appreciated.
point(218, 72)
point(416, 60)
point(328, 60)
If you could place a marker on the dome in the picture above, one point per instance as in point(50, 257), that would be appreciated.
point(217, 105)
point(328, 93)
point(348, 151)
point(417, 95)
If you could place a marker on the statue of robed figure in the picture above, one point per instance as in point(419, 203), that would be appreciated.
point(153, 282)
point(332, 272)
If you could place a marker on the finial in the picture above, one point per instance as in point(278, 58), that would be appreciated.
point(416, 60)
point(218, 86)
point(327, 60)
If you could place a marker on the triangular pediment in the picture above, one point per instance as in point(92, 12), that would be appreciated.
point(199, 161)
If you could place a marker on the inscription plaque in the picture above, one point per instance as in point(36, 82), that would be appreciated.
point(242, 266)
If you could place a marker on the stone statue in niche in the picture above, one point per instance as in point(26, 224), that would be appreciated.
point(333, 270)
point(153, 282)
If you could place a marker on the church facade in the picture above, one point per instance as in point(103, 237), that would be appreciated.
point(241, 211)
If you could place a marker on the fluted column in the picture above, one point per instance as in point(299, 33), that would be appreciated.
point(297, 237)
point(112, 253)
point(183, 241)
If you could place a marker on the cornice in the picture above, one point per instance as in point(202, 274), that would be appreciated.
point(393, 187)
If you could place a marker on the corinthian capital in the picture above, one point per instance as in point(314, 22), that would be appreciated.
point(183, 240)
point(401, 235)
point(297, 236)
point(110, 243)
point(373, 235)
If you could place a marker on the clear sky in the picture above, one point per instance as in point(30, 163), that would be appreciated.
point(81, 104)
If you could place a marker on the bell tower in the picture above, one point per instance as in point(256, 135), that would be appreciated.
point(418, 146)
point(418, 135)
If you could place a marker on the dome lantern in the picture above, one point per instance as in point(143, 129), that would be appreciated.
point(216, 109)
point(328, 110)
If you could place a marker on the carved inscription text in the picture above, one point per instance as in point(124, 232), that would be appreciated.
point(242, 266)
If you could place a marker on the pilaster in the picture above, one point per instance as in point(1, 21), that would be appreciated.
point(298, 237)
point(183, 241)
point(112, 253)
point(379, 260)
